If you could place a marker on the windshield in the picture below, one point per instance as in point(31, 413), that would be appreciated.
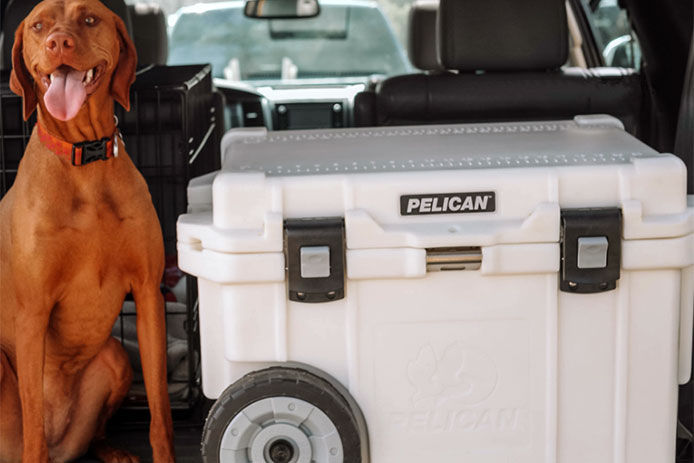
point(348, 38)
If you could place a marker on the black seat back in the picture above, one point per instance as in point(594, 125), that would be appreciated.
point(508, 57)
point(494, 97)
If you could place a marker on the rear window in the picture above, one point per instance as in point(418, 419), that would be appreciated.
point(344, 40)
point(613, 33)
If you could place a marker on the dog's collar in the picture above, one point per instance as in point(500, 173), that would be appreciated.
point(81, 153)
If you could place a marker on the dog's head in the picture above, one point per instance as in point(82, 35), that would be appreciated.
point(68, 51)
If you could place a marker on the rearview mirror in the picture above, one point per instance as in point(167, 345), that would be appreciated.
point(281, 9)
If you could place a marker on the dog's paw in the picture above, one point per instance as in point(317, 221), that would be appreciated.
point(104, 452)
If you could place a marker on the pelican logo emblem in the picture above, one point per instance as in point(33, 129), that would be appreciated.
point(448, 203)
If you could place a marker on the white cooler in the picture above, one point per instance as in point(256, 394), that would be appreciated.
point(487, 293)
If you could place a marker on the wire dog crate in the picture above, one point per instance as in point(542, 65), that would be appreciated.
point(172, 133)
point(14, 132)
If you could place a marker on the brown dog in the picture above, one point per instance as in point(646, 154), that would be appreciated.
point(74, 240)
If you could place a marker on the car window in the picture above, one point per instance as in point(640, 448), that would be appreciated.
point(348, 38)
point(613, 33)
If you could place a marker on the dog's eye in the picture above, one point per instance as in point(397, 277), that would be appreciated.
point(90, 20)
point(38, 26)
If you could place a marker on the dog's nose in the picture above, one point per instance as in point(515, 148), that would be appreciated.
point(59, 42)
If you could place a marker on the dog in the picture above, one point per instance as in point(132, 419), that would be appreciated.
point(78, 232)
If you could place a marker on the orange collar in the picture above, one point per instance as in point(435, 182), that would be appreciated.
point(82, 153)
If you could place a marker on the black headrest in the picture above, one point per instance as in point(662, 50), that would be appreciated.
point(422, 36)
point(149, 33)
point(502, 35)
point(17, 10)
point(121, 9)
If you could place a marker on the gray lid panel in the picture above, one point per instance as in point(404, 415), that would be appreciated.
point(449, 147)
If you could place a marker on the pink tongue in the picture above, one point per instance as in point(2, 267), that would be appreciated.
point(66, 94)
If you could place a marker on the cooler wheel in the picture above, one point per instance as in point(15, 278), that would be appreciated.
point(281, 415)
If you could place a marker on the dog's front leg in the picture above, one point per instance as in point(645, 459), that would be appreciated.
point(31, 324)
point(151, 336)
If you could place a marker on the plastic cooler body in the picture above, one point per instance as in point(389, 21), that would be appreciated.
point(507, 356)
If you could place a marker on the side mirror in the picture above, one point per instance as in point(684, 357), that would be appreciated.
point(281, 9)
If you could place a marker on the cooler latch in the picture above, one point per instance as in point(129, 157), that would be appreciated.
point(444, 259)
point(591, 249)
point(315, 255)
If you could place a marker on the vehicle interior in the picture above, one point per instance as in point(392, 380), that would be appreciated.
point(205, 68)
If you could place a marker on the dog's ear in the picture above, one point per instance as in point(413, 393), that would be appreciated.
point(21, 81)
point(124, 74)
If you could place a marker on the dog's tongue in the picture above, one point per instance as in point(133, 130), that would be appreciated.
point(66, 94)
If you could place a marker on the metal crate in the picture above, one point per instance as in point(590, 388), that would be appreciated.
point(14, 133)
point(172, 133)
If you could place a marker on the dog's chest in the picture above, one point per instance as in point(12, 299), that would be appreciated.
point(96, 235)
point(97, 240)
point(103, 212)
point(89, 227)
point(102, 206)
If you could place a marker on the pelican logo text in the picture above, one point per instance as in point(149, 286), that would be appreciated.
point(448, 203)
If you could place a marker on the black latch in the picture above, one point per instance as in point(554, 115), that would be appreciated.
point(315, 255)
point(591, 249)
point(91, 151)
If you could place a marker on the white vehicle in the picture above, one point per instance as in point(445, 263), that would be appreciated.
point(484, 292)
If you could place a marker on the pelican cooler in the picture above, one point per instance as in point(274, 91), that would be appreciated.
point(514, 292)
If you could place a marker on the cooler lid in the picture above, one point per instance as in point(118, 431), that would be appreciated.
point(446, 185)
point(584, 141)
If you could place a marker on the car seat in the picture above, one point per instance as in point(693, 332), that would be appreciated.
point(421, 49)
point(508, 56)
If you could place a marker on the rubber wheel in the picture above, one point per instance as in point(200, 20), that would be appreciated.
point(281, 415)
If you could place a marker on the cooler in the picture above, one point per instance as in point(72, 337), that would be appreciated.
point(511, 292)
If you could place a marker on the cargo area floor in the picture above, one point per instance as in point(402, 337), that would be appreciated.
point(133, 435)
point(130, 431)
point(135, 439)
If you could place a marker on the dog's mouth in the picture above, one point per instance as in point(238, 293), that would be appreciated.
point(67, 89)
point(89, 78)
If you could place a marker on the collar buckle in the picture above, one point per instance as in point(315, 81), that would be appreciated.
point(91, 151)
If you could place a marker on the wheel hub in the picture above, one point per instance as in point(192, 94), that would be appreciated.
point(281, 430)
point(286, 441)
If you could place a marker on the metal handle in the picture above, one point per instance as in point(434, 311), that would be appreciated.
point(444, 259)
